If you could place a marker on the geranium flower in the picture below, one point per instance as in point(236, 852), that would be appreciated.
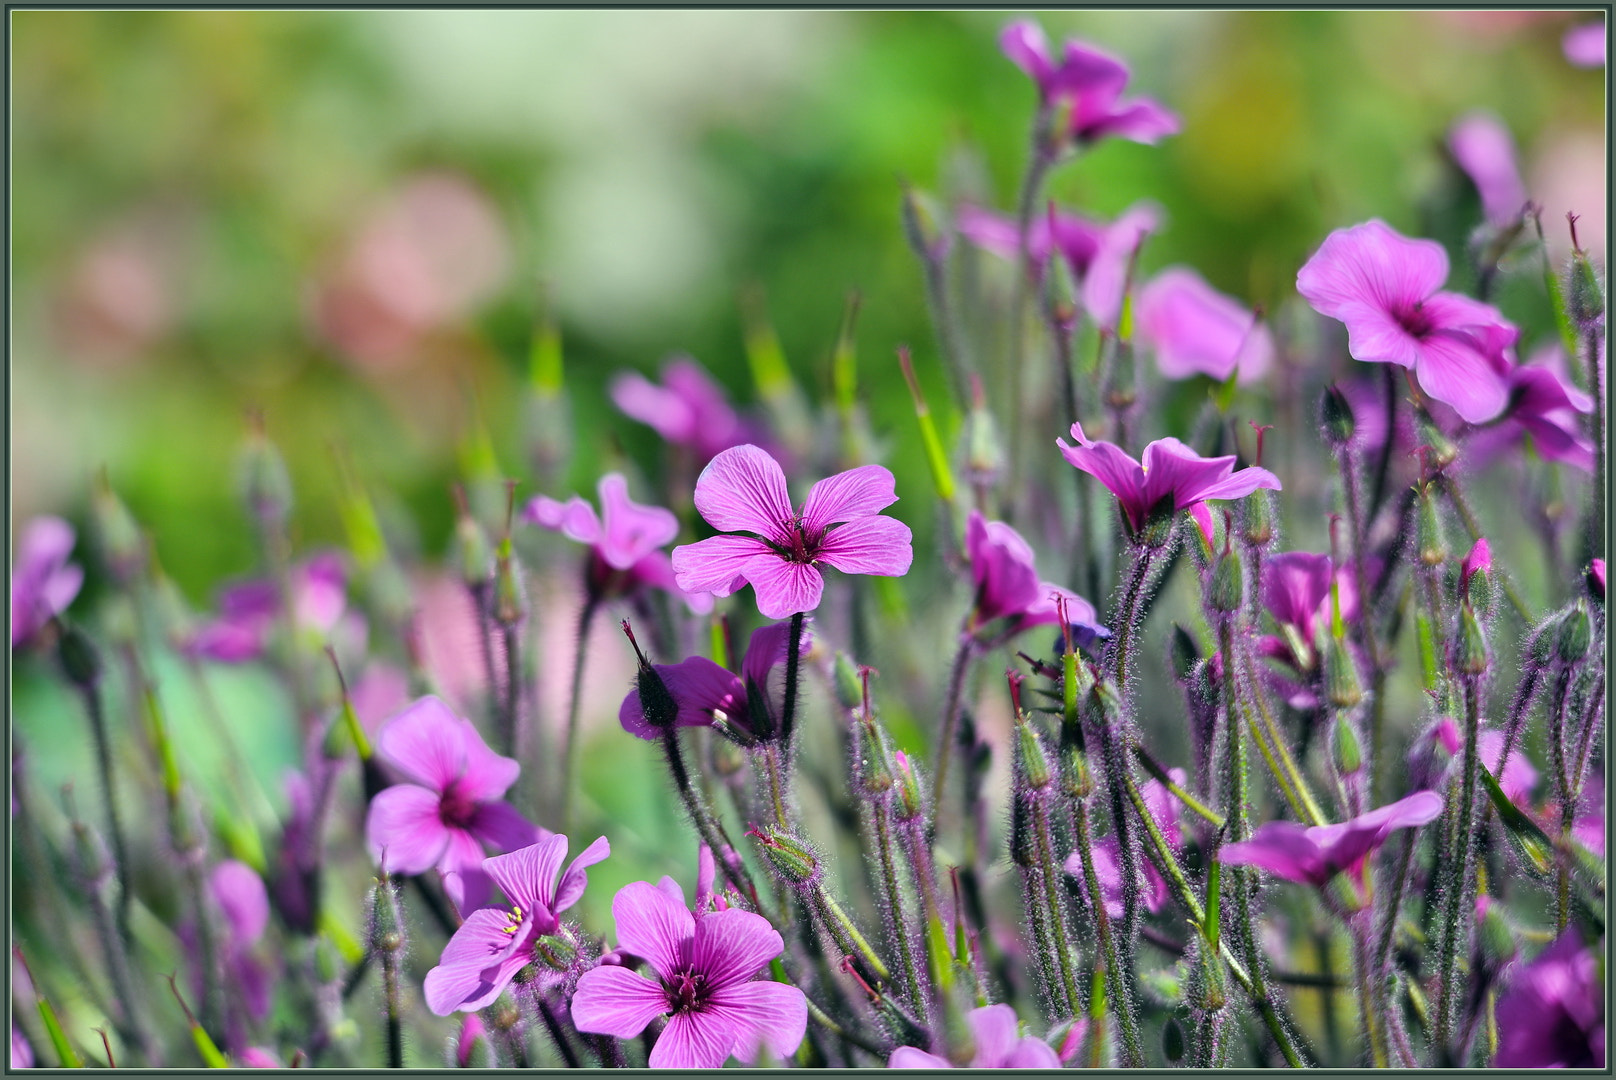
point(1195, 330)
point(449, 804)
point(744, 490)
point(999, 1045)
point(494, 943)
point(1545, 404)
point(1483, 148)
point(1091, 82)
point(745, 704)
point(1007, 585)
point(1553, 1014)
point(1585, 45)
point(1436, 751)
point(689, 409)
point(704, 982)
point(240, 894)
point(1384, 287)
point(1169, 477)
point(1314, 854)
point(43, 582)
point(248, 611)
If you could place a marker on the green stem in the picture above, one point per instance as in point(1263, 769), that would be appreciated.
point(950, 730)
point(1453, 920)
point(569, 754)
point(907, 943)
point(1133, 1056)
point(1049, 870)
point(109, 800)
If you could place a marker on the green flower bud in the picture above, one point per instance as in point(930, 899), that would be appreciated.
point(510, 601)
point(875, 776)
point(793, 859)
point(1585, 298)
point(1341, 681)
point(1348, 753)
point(1497, 939)
point(1575, 635)
point(1442, 450)
point(1472, 650)
point(1259, 518)
point(1335, 416)
point(387, 929)
point(1227, 585)
point(849, 687)
point(474, 555)
point(1032, 759)
point(984, 451)
point(909, 802)
point(555, 951)
point(116, 531)
point(1432, 545)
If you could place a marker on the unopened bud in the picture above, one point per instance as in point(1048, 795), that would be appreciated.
point(1348, 752)
point(984, 451)
point(510, 601)
point(1031, 757)
point(656, 700)
point(849, 688)
point(1227, 585)
point(555, 951)
point(80, 659)
point(1497, 939)
point(1545, 641)
point(1335, 417)
point(1432, 546)
point(472, 1049)
point(1441, 452)
point(874, 774)
point(793, 859)
point(1575, 635)
point(1259, 526)
point(1596, 580)
point(909, 801)
point(1585, 298)
point(387, 930)
point(116, 532)
point(474, 555)
point(1342, 684)
point(1472, 650)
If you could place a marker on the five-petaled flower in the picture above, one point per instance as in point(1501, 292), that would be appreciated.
point(1091, 82)
point(704, 981)
point(743, 490)
point(43, 582)
point(688, 409)
point(1007, 587)
point(996, 1034)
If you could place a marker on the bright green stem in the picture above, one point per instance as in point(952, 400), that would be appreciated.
point(847, 936)
point(569, 755)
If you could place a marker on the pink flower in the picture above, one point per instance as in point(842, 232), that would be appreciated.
point(1163, 807)
point(1169, 477)
point(704, 982)
point(449, 804)
point(745, 704)
point(1553, 1014)
point(240, 894)
point(22, 1054)
point(1545, 404)
point(1091, 82)
point(999, 1045)
point(43, 582)
point(1428, 766)
point(1585, 45)
point(689, 409)
point(256, 1057)
point(1484, 150)
point(248, 611)
point(1196, 330)
point(744, 490)
point(494, 943)
point(1383, 286)
point(1007, 585)
point(1314, 855)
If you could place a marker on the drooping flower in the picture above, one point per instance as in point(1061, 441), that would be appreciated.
point(1007, 585)
point(1195, 330)
point(1163, 807)
point(689, 409)
point(1585, 45)
point(1482, 147)
point(449, 804)
point(1314, 854)
point(745, 705)
point(248, 611)
point(1553, 1014)
point(704, 980)
point(1169, 477)
point(996, 1033)
point(625, 540)
point(1091, 82)
point(743, 490)
point(494, 943)
point(43, 582)
point(1384, 287)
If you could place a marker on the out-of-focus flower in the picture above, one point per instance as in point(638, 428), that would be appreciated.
point(43, 582)
point(689, 409)
point(241, 896)
point(1553, 1014)
point(1585, 45)
point(1007, 585)
point(996, 1033)
point(743, 490)
point(1163, 807)
point(449, 805)
point(118, 298)
point(248, 611)
point(705, 983)
point(1428, 767)
point(256, 1057)
point(1482, 147)
point(22, 1054)
point(1296, 592)
point(494, 943)
point(1091, 82)
point(1596, 575)
point(1195, 330)
point(1545, 404)
point(748, 704)
point(1314, 854)
point(1384, 287)
point(471, 1029)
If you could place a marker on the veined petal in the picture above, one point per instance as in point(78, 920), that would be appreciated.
point(732, 946)
point(1282, 847)
point(716, 565)
point(1107, 463)
point(769, 1013)
point(767, 650)
point(743, 489)
point(575, 880)
point(425, 743)
point(871, 545)
point(630, 530)
point(528, 877)
point(653, 926)
point(616, 1001)
point(1171, 468)
point(848, 495)
point(701, 687)
point(403, 830)
point(1454, 371)
point(783, 587)
point(473, 969)
point(695, 1041)
point(1241, 484)
point(1371, 264)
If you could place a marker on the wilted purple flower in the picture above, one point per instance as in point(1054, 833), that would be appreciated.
point(999, 1045)
point(704, 982)
point(1313, 855)
point(449, 804)
point(1196, 330)
point(625, 540)
point(1007, 585)
point(1585, 45)
point(494, 943)
point(1168, 478)
point(43, 582)
point(1484, 150)
point(1091, 82)
point(743, 489)
point(248, 611)
point(708, 695)
point(1553, 1014)
point(1384, 287)
point(689, 409)
point(1163, 807)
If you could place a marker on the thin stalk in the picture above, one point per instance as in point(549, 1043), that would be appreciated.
point(1568, 801)
point(1133, 1056)
point(708, 827)
point(1026, 204)
point(771, 772)
point(1366, 623)
point(1128, 631)
point(950, 731)
point(788, 711)
point(908, 943)
point(1369, 1013)
point(1309, 809)
point(1049, 883)
point(557, 1033)
point(109, 801)
point(569, 753)
point(1590, 721)
point(1461, 506)
point(1596, 512)
point(1453, 916)
point(510, 714)
point(1383, 466)
point(395, 1027)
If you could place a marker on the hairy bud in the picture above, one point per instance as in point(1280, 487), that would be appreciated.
point(1335, 417)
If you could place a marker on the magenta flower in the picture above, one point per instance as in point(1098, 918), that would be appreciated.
point(241, 896)
point(494, 943)
point(1163, 807)
point(689, 409)
point(1436, 752)
point(449, 804)
point(1007, 585)
point(747, 705)
point(1585, 45)
point(248, 611)
point(43, 582)
point(744, 490)
point(1195, 330)
point(1091, 82)
point(999, 1045)
point(704, 981)
point(1482, 147)
point(1383, 286)
point(1313, 855)
point(1553, 1014)
point(1169, 477)
point(1545, 404)
point(256, 1057)
point(625, 540)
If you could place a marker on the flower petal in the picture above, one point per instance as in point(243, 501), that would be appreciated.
point(701, 687)
point(1024, 43)
point(663, 409)
point(616, 1001)
point(425, 743)
point(502, 828)
point(870, 545)
point(1371, 266)
point(1282, 847)
point(783, 587)
point(770, 1013)
point(996, 1030)
point(855, 493)
point(575, 519)
point(909, 1057)
point(732, 946)
point(630, 531)
point(1452, 369)
point(694, 1041)
point(403, 830)
point(575, 880)
point(654, 926)
point(715, 565)
point(472, 973)
point(487, 775)
point(528, 877)
point(767, 650)
point(743, 490)
point(242, 897)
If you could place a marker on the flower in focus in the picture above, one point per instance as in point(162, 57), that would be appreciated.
point(996, 1033)
point(1091, 82)
point(1483, 148)
point(1384, 287)
point(1196, 330)
point(1163, 807)
point(1314, 854)
point(1585, 45)
point(744, 490)
point(704, 982)
point(449, 804)
point(494, 943)
point(1169, 477)
point(248, 611)
point(689, 409)
point(1553, 1014)
point(746, 706)
point(1007, 585)
point(43, 582)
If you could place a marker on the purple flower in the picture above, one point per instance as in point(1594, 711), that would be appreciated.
point(1313, 855)
point(1596, 576)
point(1483, 149)
point(43, 582)
point(704, 982)
point(449, 804)
point(1585, 45)
point(746, 704)
point(1091, 82)
point(1545, 404)
point(1383, 286)
point(494, 943)
point(689, 409)
point(625, 540)
point(1007, 585)
point(471, 1029)
point(1170, 476)
point(248, 611)
point(256, 1057)
point(996, 1033)
point(22, 1054)
point(1553, 1014)
point(241, 896)
point(1163, 807)
point(1196, 330)
point(744, 490)
point(1436, 751)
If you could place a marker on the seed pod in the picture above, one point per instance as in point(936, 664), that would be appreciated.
point(474, 555)
point(510, 600)
point(1585, 298)
point(984, 451)
point(387, 928)
point(909, 801)
point(849, 689)
point(1348, 753)
point(875, 776)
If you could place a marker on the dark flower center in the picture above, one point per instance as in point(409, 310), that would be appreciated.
point(804, 544)
point(455, 809)
point(1414, 320)
point(687, 991)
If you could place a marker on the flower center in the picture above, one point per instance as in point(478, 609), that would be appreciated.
point(455, 809)
point(687, 992)
point(516, 920)
point(1414, 320)
point(803, 547)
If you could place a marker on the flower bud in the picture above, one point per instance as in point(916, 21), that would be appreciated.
point(1441, 450)
point(792, 859)
point(1224, 591)
point(1585, 297)
point(909, 801)
point(1348, 753)
point(328, 966)
point(472, 1049)
point(1471, 655)
point(984, 451)
point(510, 601)
point(875, 777)
point(387, 929)
point(1023, 849)
point(474, 555)
point(1335, 417)
point(1575, 635)
point(1033, 762)
point(849, 688)
point(262, 479)
point(656, 700)
point(1341, 681)
point(1596, 581)
point(80, 659)
point(1433, 548)
point(556, 951)
point(1497, 939)
point(116, 531)
point(1545, 640)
